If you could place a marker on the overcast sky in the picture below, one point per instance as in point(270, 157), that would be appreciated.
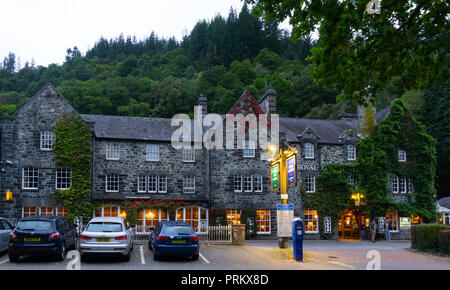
point(44, 29)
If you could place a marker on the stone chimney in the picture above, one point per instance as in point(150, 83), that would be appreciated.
point(203, 102)
point(366, 119)
point(268, 102)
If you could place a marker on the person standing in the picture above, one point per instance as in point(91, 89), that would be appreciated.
point(387, 226)
point(363, 231)
point(373, 230)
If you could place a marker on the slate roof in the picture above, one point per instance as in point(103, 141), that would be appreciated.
point(159, 129)
point(444, 202)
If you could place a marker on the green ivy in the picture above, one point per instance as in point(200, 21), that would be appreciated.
point(73, 150)
point(378, 157)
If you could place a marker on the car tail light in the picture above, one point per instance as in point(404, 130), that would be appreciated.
point(194, 238)
point(84, 237)
point(162, 238)
point(12, 236)
point(54, 236)
point(124, 237)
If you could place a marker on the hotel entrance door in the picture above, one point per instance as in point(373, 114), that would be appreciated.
point(350, 224)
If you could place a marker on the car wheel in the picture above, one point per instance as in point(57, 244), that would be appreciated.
point(155, 256)
point(13, 258)
point(62, 253)
point(150, 246)
point(126, 258)
point(195, 257)
point(84, 258)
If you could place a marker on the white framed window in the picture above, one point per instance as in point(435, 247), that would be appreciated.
point(258, 182)
point(401, 155)
point(391, 217)
point(149, 218)
point(30, 178)
point(152, 183)
point(311, 221)
point(189, 184)
point(309, 150)
point(47, 140)
point(237, 183)
point(248, 149)
point(188, 154)
point(29, 211)
point(248, 183)
point(46, 210)
point(63, 178)
point(61, 211)
point(310, 183)
point(233, 216)
point(112, 151)
point(351, 179)
point(112, 183)
point(152, 152)
point(351, 152)
point(410, 185)
point(162, 184)
point(263, 221)
point(196, 216)
point(394, 184)
point(110, 211)
point(403, 185)
point(142, 183)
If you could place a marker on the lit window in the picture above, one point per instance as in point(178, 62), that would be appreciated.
point(196, 216)
point(189, 184)
point(112, 183)
point(311, 220)
point(351, 152)
point(248, 149)
point(248, 183)
point(112, 151)
point(110, 211)
point(61, 211)
point(30, 178)
point(188, 154)
point(47, 140)
point(258, 182)
point(29, 211)
point(46, 210)
point(309, 150)
point(402, 155)
point(233, 216)
point(237, 183)
point(63, 178)
point(149, 218)
point(263, 221)
point(391, 217)
point(152, 153)
point(310, 183)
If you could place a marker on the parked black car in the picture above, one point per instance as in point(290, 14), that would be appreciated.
point(42, 235)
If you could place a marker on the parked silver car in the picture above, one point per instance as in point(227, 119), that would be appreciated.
point(107, 236)
point(5, 229)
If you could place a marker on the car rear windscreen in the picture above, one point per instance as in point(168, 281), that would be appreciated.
point(177, 230)
point(104, 227)
point(34, 225)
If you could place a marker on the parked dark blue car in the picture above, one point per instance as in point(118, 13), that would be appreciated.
point(42, 235)
point(174, 238)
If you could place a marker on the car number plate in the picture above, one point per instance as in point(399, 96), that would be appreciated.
point(32, 239)
point(178, 241)
point(103, 239)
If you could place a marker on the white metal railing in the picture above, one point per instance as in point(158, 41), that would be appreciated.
point(213, 234)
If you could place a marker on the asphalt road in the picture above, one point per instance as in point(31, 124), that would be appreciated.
point(319, 255)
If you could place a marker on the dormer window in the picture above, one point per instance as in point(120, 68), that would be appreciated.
point(351, 152)
point(401, 155)
point(309, 150)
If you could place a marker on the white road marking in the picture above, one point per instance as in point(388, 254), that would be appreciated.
point(4, 261)
point(142, 255)
point(204, 259)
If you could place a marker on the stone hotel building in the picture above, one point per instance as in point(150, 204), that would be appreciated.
point(133, 159)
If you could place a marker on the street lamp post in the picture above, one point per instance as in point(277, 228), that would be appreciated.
point(286, 176)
